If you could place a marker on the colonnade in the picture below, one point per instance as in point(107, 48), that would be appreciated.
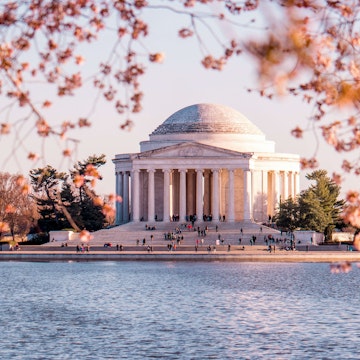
point(227, 194)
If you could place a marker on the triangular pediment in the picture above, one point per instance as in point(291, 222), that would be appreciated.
point(191, 150)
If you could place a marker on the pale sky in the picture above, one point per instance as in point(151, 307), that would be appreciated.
point(179, 82)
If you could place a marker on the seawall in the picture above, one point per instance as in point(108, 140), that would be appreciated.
point(236, 256)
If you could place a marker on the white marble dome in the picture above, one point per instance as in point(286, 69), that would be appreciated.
point(207, 118)
point(209, 124)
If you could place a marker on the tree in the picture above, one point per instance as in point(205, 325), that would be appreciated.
point(316, 208)
point(47, 184)
point(17, 209)
point(320, 208)
point(287, 216)
point(85, 174)
point(302, 48)
point(92, 216)
point(63, 204)
point(312, 215)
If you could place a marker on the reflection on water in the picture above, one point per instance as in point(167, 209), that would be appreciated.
point(178, 310)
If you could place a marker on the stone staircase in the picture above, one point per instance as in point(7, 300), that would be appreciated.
point(129, 233)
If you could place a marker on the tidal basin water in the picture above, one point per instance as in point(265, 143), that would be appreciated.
point(178, 310)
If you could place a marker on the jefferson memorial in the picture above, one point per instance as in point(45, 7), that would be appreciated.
point(205, 162)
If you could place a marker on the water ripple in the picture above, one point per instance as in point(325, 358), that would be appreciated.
point(177, 310)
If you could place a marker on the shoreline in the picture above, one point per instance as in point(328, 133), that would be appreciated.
point(234, 256)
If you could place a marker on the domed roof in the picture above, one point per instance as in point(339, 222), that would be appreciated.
point(207, 118)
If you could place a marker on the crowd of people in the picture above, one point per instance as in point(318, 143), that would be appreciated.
point(175, 239)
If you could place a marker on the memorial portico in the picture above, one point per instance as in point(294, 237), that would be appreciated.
point(206, 162)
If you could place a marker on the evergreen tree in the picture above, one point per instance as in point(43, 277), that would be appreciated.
point(311, 214)
point(62, 205)
point(70, 205)
point(319, 205)
point(47, 184)
point(317, 208)
point(92, 216)
point(287, 216)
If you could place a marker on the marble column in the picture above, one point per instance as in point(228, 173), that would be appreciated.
point(151, 195)
point(182, 197)
point(222, 195)
point(166, 216)
point(215, 195)
point(126, 197)
point(297, 183)
point(291, 184)
point(135, 198)
point(231, 197)
point(264, 197)
point(207, 193)
point(277, 193)
point(119, 192)
point(174, 193)
point(286, 185)
point(252, 192)
point(199, 194)
point(247, 196)
point(190, 192)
